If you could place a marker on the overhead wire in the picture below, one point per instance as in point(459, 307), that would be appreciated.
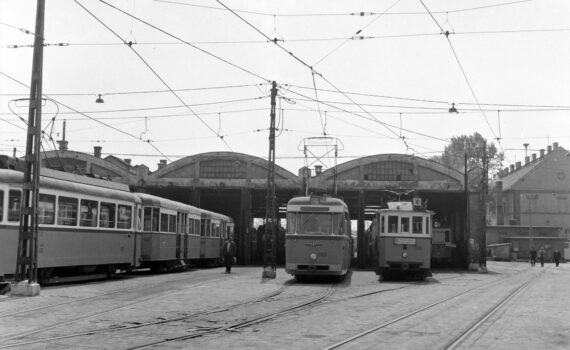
point(300, 61)
point(446, 33)
point(186, 42)
point(81, 113)
point(354, 13)
point(153, 71)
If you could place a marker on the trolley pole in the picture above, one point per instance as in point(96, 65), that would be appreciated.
point(25, 278)
point(270, 241)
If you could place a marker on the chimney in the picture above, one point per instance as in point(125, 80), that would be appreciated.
point(128, 161)
point(63, 142)
point(542, 153)
point(499, 206)
point(526, 160)
point(518, 165)
point(533, 157)
point(549, 149)
point(97, 151)
point(318, 170)
point(555, 146)
point(162, 164)
point(506, 171)
point(512, 166)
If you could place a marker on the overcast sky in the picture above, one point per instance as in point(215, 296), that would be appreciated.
point(197, 76)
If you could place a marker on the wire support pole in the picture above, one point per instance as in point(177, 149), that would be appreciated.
point(484, 183)
point(270, 242)
point(26, 263)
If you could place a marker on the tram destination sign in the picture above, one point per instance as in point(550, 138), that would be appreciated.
point(406, 241)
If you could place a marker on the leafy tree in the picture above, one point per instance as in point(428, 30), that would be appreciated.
point(454, 153)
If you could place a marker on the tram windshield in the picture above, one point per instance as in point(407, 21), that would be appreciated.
point(315, 223)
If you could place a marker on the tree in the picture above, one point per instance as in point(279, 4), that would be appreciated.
point(454, 153)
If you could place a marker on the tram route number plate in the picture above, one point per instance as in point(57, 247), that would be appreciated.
point(407, 241)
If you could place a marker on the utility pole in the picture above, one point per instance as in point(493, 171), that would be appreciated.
point(25, 278)
point(270, 241)
point(483, 241)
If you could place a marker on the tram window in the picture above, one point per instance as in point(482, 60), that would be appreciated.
point(139, 219)
point(88, 213)
point(14, 198)
point(198, 227)
point(337, 224)
point(417, 222)
point(163, 222)
point(125, 219)
point(291, 222)
point(382, 220)
point(172, 223)
point(392, 224)
point(216, 230)
point(405, 225)
point(107, 215)
point(147, 226)
point(46, 209)
point(447, 236)
point(316, 224)
point(1, 206)
point(67, 211)
point(428, 226)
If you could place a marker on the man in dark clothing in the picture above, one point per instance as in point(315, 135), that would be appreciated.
point(541, 256)
point(532, 254)
point(229, 251)
point(556, 256)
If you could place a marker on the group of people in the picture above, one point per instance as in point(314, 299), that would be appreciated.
point(541, 256)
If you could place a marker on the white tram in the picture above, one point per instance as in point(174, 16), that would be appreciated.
point(318, 240)
point(402, 237)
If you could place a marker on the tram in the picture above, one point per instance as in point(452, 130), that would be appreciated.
point(90, 228)
point(443, 245)
point(402, 237)
point(317, 240)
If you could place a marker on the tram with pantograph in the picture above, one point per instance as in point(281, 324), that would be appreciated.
point(402, 236)
point(317, 240)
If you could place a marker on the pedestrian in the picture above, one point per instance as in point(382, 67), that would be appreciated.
point(541, 254)
point(532, 254)
point(229, 253)
point(556, 256)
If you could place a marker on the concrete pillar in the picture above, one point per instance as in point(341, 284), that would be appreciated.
point(245, 225)
point(361, 240)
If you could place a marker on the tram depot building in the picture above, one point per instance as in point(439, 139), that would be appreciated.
point(526, 204)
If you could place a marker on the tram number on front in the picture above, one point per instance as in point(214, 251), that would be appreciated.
point(406, 241)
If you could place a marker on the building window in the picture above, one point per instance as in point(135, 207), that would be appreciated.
point(222, 169)
point(389, 171)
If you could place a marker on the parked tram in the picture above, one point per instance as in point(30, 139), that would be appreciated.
point(317, 240)
point(443, 245)
point(402, 240)
point(90, 228)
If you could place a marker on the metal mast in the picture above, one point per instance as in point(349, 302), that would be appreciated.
point(26, 264)
point(270, 241)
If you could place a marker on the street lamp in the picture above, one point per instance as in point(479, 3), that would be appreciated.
point(99, 99)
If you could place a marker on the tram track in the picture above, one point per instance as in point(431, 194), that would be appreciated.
point(137, 288)
point(465, 334)
point(91, 332)
point(110, 309)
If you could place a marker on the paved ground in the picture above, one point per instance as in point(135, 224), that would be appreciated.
point(207, 309)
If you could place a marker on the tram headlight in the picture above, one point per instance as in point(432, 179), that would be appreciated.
point(404, 254)
point(313, 256)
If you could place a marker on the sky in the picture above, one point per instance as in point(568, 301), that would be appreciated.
point(355, 78)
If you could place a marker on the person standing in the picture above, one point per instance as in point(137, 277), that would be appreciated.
point(532, 254)
point(229, 253)
point(541, 254)
point(556, 256)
